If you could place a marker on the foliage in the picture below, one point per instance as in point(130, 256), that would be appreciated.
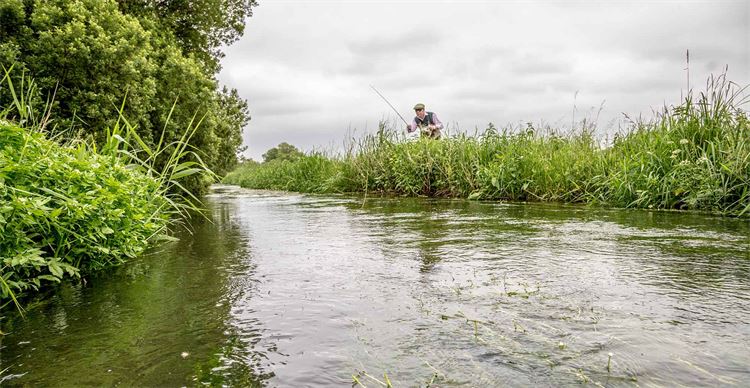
point(313, 173)
point(283, 151)
point(232, 114)
point(89, 55)
point(218, 23)
point(66, 210)
point(693, 156)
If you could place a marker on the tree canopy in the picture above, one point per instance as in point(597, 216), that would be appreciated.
point(283, 151)
point(94, 54)
point(201, 26)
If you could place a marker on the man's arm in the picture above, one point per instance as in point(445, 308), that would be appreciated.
point(413, 126)
point(438, 124)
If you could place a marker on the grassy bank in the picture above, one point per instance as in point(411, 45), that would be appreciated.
point(65, 211)
point(68, 209)
point(692, 156)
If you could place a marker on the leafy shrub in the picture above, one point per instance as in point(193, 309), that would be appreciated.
point(65, 210)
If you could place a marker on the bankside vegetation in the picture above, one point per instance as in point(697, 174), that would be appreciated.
point(67, 209)
point(88, 55)
point(692, 156)
point(94, 165)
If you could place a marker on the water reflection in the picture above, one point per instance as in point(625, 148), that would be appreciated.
point(294, 290)
point(161, 320)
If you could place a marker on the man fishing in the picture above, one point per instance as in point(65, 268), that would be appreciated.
point(427, 122)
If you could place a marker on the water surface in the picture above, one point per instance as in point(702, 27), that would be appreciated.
point(294, 290)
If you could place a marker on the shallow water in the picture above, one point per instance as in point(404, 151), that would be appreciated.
point(295, 290)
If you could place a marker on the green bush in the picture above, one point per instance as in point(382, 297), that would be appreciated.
point(65, 210)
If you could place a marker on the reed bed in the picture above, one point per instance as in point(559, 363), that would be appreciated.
point(692, 156)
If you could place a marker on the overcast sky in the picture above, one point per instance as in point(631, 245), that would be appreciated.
point(305, 66)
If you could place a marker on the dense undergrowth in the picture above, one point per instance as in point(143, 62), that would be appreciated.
point(692, 156)
point(71, 208)
point(64, 210)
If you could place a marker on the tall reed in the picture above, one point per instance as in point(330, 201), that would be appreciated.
point(692, 156)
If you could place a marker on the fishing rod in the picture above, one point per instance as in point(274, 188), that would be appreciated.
point(389, 104)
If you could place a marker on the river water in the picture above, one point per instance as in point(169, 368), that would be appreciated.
point(296, 290)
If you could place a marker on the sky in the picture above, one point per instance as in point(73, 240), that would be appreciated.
point(305, 67)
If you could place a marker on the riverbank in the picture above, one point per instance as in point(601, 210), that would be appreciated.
point(71, 209)
point(693, 156)
point(67, 211)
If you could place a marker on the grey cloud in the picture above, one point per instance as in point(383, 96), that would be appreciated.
point(281, 108)
point(640, 82)
point(541, 64)
point(279, 103)
point(409, 42)
point(474, 93)
point(305, 69)
point(712, 31)
point(379, 54)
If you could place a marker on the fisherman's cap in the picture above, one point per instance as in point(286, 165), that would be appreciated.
point(419, 107)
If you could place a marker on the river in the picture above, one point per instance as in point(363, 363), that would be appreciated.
point(293, 290)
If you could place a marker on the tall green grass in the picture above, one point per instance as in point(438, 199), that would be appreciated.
point(692, 156)
point(70, 209)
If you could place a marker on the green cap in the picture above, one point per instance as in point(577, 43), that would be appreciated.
point(419, 107)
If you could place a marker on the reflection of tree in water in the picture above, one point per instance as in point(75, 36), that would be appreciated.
point(163, 319)
point(435, 226)
point(233, 358)
point(431, 230)
point(692, 248)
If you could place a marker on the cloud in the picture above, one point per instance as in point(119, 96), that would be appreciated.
point(305, 67)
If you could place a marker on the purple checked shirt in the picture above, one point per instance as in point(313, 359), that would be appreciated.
point(414, 125)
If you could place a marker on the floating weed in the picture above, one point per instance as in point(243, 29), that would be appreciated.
point(525, 294)
point(431, 381)
point(357, 379)
point(581, 376)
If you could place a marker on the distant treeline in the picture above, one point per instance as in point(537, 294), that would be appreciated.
point(692, 156)
point(88, 56)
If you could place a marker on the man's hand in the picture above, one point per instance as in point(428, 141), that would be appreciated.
point(432, 127)
point(408, 127)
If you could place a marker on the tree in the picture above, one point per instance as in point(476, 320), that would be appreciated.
point(283, 151)
point(152, 54)
point(201, 26)
point(92, 56)
point(232, 113)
